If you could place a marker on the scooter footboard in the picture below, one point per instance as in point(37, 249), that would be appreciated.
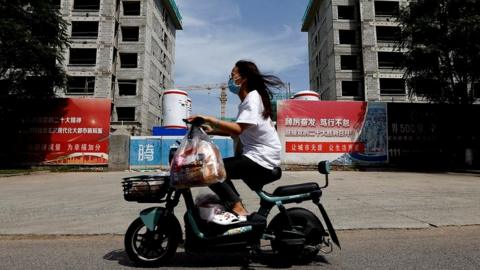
point(153, 215)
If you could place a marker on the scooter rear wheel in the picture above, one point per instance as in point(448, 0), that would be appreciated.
point(305, 223)
point(152, 248)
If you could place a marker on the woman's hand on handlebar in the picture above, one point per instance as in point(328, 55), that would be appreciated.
point(204, 121)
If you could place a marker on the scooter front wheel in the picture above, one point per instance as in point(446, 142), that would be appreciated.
point(152, 248)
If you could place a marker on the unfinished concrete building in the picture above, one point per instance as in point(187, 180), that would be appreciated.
point(122, 50)
point(352, 54)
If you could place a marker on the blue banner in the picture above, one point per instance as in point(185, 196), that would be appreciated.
point(152, 151)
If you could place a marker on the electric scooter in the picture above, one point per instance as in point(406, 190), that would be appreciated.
point(295, 234)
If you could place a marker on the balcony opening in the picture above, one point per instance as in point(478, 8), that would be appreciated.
point(351, 88)
point(114, 57)
point(346, 12)
point(126, 113)
point(349, 62)
point(127, 87)
point(128, 60)
point(80, 85)
point(84, 30)
point(113, 86)
point(83, 57)
point(130, 33)
point(387, 8)
point(117, 25)
point(476, 90)
point(131, 8)
point(347, 36)
point(86, 5)
point(392, 87)
point(388, 34)
point(165, 40)
point(390, 60)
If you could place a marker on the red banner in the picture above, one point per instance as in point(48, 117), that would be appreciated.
point(71, 131)
point(320, 130)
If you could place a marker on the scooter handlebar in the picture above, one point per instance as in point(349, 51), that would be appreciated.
point(197, 121)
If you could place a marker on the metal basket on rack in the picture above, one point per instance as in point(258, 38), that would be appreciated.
point(146, 188)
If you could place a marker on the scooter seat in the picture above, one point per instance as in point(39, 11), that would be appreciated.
point(296, 189)
point(276, 174)
point(258, 184)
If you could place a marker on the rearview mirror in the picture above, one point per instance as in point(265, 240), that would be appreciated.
point(324, 167)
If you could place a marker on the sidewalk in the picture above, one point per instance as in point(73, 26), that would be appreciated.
point(92, 203)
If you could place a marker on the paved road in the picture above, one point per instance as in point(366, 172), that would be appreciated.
point(92, 203)
point(432, 248)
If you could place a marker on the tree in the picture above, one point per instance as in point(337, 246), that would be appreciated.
point(441, 37)
point(32, 38)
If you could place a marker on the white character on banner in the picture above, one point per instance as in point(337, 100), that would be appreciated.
point(304, 122)
point(145, 152)
point(288, 121)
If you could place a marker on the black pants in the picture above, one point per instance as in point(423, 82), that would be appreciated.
point(239, 167)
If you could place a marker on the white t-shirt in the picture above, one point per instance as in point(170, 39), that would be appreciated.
point(260, 139)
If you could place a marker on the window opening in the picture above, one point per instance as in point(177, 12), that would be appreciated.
point(392, 86)
point(83, 57)
point(86, 5)
point(128, 60)
point(347, 36)
point(130, 33)
point(346, 12)
point(388, 34)
point(131, 8)
point(80, 85)
point(84, 30)
point(387, 8)
point(349, 62)
point(127, 87)
point(389, 59)
point(126, 113)
point(351, 88)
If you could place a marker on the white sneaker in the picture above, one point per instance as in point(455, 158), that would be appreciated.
point(242, 218)
point(227, 218)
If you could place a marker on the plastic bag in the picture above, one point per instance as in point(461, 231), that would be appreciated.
point(197, 162)
point(208, 206)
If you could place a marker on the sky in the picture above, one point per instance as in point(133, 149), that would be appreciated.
point(217, 33)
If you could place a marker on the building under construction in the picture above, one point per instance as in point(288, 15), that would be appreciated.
point(352, 49)
point(123, 50)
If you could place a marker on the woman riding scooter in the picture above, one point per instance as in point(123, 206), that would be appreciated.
point(260, 142)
